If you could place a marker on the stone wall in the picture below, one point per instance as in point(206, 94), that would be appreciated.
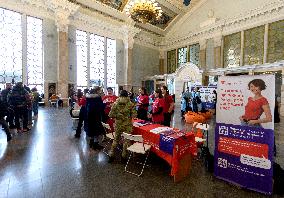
point(145, 63)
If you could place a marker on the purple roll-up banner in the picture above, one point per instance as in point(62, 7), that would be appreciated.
point(244, 133)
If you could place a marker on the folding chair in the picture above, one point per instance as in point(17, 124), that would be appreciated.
point(137, 147)
point(109, 135)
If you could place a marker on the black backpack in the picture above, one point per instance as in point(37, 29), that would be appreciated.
point(278, 176)
point(208, 159)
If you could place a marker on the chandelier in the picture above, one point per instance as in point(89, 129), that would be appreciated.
point(143, 11)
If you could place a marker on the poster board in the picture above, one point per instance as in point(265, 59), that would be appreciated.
point(244, 133)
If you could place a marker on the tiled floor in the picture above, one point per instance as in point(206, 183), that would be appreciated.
point(49, 162)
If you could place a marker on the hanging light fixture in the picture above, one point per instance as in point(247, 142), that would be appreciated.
point(143, 11)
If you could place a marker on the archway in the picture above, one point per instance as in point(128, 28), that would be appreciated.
point(186, 73)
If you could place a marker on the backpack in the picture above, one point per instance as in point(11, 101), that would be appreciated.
point(278, 177)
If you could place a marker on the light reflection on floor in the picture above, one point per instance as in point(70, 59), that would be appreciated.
point(49, 162)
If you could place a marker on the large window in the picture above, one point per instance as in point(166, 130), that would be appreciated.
point(10, 47)
point(17, 64)
point(82, 52)
point(182, 55)
point(232, 50)
point(96, 60)
point(34, 53)
point(194, 54)
point(253, 45)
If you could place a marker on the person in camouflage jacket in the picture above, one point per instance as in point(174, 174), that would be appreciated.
point(123, 110)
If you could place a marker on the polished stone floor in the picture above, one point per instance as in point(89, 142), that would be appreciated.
point(49, 162)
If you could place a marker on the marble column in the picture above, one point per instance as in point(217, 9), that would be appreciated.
point(282, 96)
point(202, 59)
point(162, 63)
point(128, 62)
point(217, 51)
point(63, 66)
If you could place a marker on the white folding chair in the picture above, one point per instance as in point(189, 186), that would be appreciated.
point(109, 135)
point(137, 147)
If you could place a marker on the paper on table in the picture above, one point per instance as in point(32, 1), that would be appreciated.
point(160, 129)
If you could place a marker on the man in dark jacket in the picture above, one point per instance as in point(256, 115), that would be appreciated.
point(18, 99)
point(3, 113)
point(93, 117)
point(4, 98)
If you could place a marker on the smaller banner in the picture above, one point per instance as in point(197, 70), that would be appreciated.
point(207, 96)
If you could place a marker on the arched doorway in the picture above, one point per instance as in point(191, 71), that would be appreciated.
point(187, 73)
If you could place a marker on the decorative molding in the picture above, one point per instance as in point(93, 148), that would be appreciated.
point(129, 33)
point(267, 13)
point(252, 68)
point(63, 9)
point(27, 7)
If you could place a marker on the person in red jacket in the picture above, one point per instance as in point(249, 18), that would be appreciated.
point(256, 106)
point(109, 99)
point(169, 106)
point(157, 108)
point(142, 103)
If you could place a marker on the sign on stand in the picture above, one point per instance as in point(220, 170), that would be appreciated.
point(244, 133)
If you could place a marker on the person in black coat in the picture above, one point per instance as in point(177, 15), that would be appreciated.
point(3, 113)
point(93, 117)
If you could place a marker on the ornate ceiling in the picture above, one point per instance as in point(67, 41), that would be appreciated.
point(172, 11)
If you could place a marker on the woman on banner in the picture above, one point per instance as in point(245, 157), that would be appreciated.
point(142, 103)
point(256, 106)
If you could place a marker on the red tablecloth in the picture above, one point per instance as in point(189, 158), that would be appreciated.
point(183, 145)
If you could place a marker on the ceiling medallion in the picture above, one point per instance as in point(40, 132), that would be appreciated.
point(143, 11)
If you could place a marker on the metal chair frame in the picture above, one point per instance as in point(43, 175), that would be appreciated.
point(139, 140)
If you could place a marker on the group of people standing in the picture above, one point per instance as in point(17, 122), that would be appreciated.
point(162, 106)
point(97, 108)
point(17, 104)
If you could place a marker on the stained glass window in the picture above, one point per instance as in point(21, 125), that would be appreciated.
point(82, 52)
point(34, 53)
point(111, 63)
point(253, 46)
point(97, 60)
point(194, 54)
point(171, 61)
point(232, 50)
point(275, 42)
point(10, 47)
point(182, 55)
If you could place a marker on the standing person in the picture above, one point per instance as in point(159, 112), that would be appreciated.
point(215, 100)
point(3, 113)
point(93, 117)
point(36, 99)
point(169, 106)
point(18, 99)
point(157, 108)
point(123, 110)
point(4, 98)
point(81, 103)
point(29, 105)
point(256, 106)
point(195, 99)
point(142, 103)
point(109, 99)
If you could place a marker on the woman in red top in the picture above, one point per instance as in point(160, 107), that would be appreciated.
point(109, 99)
point(256, 106)
point(142, 103)
point(169, 106)
point(157, 108)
